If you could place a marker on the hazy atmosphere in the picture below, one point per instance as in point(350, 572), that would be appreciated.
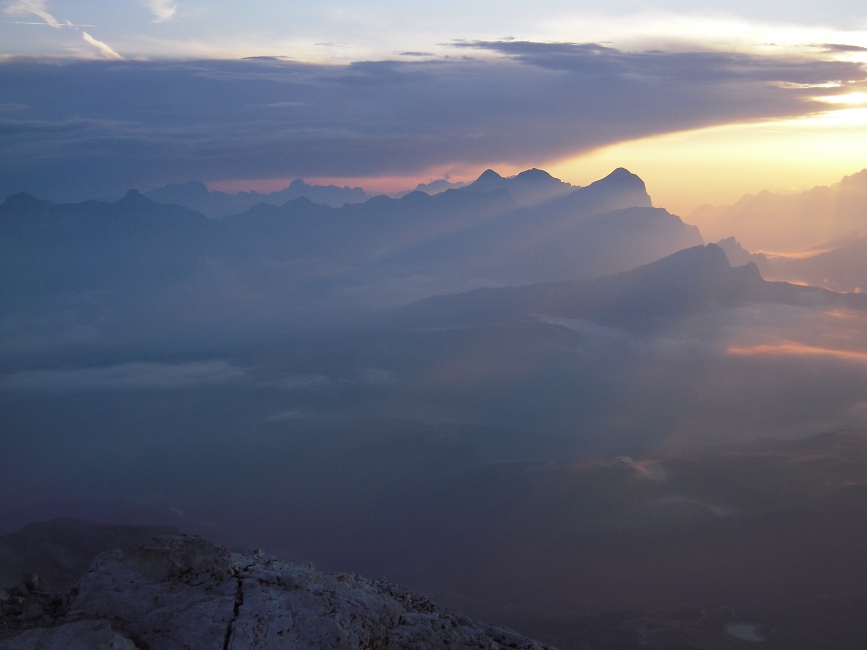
point(555, 315)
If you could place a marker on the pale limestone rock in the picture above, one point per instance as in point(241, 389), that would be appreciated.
point(177, 592)
point(181, 592)
point(292, 606)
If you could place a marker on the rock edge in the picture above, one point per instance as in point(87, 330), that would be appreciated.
point(183, 592)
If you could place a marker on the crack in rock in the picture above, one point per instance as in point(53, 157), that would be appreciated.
point(181, 592)
point(239, 602)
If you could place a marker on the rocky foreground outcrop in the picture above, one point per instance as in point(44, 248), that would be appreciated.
point(183, 592)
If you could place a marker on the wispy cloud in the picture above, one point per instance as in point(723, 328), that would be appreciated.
point(797, 349)
point(104, 49)
point(35, 8)
point(127, 376)
point(163, 10)
point(841, 47)
point(687, 66)
point(38, 8)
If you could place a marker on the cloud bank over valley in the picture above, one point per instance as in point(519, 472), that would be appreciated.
point(145, 124)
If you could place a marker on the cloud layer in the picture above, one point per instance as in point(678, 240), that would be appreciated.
point(521, 103)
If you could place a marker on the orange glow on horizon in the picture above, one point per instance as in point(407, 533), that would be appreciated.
point(803, 255)
point(796, 349)
point(372, 184)
point(717, 165)
point(842, 313)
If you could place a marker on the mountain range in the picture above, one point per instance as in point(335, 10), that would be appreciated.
point(527, 188)
point(651, 296)
point(216, 204)
point(480, 231)
point(838, 266)
point(790, 223)
point(304, 256)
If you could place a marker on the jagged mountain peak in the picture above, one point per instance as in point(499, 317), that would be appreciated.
point(646, 298)
point(706, 265)
point(489, 175)
point(619, 190)
point(134, 197)
point(856, 180)
point(621, 176)
point(535, 174)
point(530, 187)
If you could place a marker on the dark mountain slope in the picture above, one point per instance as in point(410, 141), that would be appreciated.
point(48, 248)
point(363, 232)
point(60, 551)
point(620, 189)
point(218, 205)
point(842, 269)
point(476, 232)
point(686, 282)
point(606, 227)
point(143, 265)
point(739, 256)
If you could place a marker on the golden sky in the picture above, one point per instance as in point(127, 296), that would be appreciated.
point(718, 165)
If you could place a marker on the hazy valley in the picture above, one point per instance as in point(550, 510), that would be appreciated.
point(556, 408)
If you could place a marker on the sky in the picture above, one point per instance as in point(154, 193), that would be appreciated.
point(216, 369)
point(704, 101)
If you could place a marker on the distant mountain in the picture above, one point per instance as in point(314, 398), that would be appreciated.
point(790, 222)
point(60, 551)
point(839, 266)
point(304, 260)
point(620, 189)
point(606, 227)
point(642, 299)
point(527, 188)
point(843, 268)
point(376, 230)
point(740, 256)
point(218, 205)
point(48, 248)
point(475, 232)
point(437, 186)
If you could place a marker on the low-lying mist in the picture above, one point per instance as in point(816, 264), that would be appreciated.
point(644, 440)
point(407, 452)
